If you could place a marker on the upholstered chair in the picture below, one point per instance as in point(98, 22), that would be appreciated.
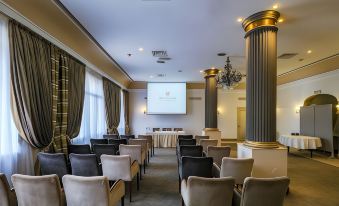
point(117, 141)
point(7, 195)
point(208, 142)
point(182, 142)
point(135, 152)
point(167, 129)
point(85, 165)
point(217, 153)
point(92, 191)
point(53, 163)
point(127, 136)
point(239, 169)
point(262, 191)
point(121, 167)
point(111, 136)
point(98, 141)
point(185, 136)
point(195, 166)
point(178, 129)
point(156, 129)
point(143, 144)
point(200, 137)
point(108, 149)
point(150, 143)
point(200, 191)
point(38, 190)
point(190, 150)
point(79, 149)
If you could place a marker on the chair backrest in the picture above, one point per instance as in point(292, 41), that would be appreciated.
point(98, 141)
point(196, 166)
point(108, 149)
point(38, 190)
point(264, 191)
point(134, 151)
point(117, 141)
point(200, 137)
point(190, 151)
point(53, 163)
point(111, 136)
point(148, 137)
point(156, 129)
point(7, 198)
point(178, 129)
point(186, 142)
point(132, 136)
point(239, 169)
point(208, 142)
point(116, 167)
point(141, 142)
point(217, 153)
point(166, 129)
point(79, 148)
point(210, 191)
point(86, 190)
point(185, 136)
point(84, 165)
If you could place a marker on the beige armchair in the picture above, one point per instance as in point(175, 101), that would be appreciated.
point(120, 167)
point(92, 191)
point(200, 137)
point(239, 169)
point(150, 144)
point(7, 195)
point(200, 191)
point(38, 190)
point(135, 152)
point(218, 152)
point(208, 142)
point(144, 146)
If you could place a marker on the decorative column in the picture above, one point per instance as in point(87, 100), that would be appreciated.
point(261, 85)
point(211, 104)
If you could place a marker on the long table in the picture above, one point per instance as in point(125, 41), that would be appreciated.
point(165, 139)
point(300, 142)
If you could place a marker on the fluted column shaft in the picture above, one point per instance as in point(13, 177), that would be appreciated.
point(211, 99)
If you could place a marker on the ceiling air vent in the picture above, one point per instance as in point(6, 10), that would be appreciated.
point(161, 75)
point(287, 55)
point(159, 53)
point(161, 62)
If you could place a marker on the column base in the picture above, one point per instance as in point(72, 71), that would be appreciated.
point(213, 133)
point(267, 145)
point(267, 162)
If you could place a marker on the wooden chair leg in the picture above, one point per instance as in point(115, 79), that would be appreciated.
point(123, 201)
point(148, 156)
point(138, 182)
point(182, 202)
point(144, 168)
point(140, 169)
point(130, 191)
point(179, 185)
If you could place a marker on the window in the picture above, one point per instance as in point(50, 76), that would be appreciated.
point(93, 124)
point(121, 127)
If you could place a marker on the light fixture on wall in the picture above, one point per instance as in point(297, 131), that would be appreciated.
point(337, 108)
point(297, 109)
point(228, 78)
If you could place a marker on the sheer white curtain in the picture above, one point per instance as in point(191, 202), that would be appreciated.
point(15, 153)
point(121, 127)
point(93, 123)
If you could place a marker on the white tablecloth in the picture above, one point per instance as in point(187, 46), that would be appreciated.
point(165, 138)
point(300, 142)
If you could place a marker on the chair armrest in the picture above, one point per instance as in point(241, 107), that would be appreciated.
point(117, 191)
point(215, 170)
point(184, 191)
point(12, 197)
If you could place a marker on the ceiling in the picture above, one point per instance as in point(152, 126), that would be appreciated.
point(194, 31)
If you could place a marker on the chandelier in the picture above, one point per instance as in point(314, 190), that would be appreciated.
point(229, 77)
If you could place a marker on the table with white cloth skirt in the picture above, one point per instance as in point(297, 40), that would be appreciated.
point(165, 139)
point(300, 142)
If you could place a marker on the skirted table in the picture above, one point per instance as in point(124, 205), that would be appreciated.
point(300, 142)
point(165, 139)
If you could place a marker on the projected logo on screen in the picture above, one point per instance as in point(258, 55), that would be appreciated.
point(167, 97)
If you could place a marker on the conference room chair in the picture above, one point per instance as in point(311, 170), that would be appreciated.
point(237, 168)
point(156, 129)
point(185, 136)
point(108, 149)
point(167, 129)
point(117, 141)
point(85, 165)
point(195, 166)
point(7, 195)
point(121, 167)
point(38, 190)
point(262, 191)
point(132, 136)
point(53, 163)
point(200, 191)
point(200, 137)
point(217, 153)
point(92, 191)
point(143, 143)
point(98, 141)
point(135, 152)
point(150, 143)
point(208, 142)
point(182, 142)
point(190, 150)
point(79, 149)
point(111, 136)
point(178, 129)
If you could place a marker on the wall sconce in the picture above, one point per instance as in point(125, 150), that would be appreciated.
point(145, 111)
point(337, 108)
point(219, 111)
point(297, 109)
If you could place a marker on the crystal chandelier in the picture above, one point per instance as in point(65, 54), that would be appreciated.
point(229, 77)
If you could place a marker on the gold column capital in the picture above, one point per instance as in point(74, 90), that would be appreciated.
point(267, 18)
point(211, 72)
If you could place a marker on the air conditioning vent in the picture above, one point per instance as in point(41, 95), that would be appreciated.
point(161, 75)
point(165, 58)
point(287, 55)
point(159, 53)
point(161, 62)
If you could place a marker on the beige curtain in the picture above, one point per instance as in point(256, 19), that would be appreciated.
point(31, 80)
point(112, 105)
point(126, 111)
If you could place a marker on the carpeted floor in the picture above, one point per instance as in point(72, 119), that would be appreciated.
point(312, 183)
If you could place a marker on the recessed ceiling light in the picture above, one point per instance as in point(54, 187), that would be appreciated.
point(213, 68)
point(275, 6)
point(201, 71)
point(240, 19)
point(141, 49)
point(179, 70)
point(309, 51)
point(280, 20)
point(221, 54)
point(129, 54)
point(151, 76)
